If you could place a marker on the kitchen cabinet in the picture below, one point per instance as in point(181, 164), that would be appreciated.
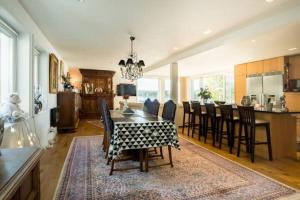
point(274, 65)
point(240, 69)
point(294, 67)
point(240, 72)
point(240, 88)
point(256, 67)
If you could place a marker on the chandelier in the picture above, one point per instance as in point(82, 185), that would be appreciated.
point(133, 68)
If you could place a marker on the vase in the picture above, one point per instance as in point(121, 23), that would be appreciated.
point(204, 101)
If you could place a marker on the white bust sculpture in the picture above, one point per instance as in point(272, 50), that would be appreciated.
point(10, 108)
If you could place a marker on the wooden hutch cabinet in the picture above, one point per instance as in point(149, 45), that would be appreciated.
point(97, 85)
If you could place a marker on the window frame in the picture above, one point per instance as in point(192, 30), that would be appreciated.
point(10, 32)
point(161, 87)
point(224, 74)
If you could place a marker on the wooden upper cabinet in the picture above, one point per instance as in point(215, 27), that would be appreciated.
point(240, 69)
point(294, 68)
point(256, 67)
point(239, 87)
point(274, 64)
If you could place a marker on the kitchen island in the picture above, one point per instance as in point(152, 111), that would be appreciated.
point(283, 126)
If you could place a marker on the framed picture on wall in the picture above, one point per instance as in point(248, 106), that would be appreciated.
point(61, 70)
point(53, 74)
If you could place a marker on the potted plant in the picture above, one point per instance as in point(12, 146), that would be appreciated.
point(204, 94)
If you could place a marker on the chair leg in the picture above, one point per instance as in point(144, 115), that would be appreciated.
point(232, 135)
point(161, 153)
point(247, 139)
point(189, 124)
point(183, 125)
point(213, 127)
point(112, 167)
point(217, 131)
point(200, 128)
point(141, 159)
point(170, 155)
point(269, 142)
point(239, 140)
point(252, 143)
point(146, 160)
point(205, 129)
point(221, 134)
point(155, 150)
point(193, 124)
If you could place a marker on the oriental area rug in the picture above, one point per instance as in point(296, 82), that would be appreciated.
point(197, 174)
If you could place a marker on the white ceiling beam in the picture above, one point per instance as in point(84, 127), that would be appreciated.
point(289, 14)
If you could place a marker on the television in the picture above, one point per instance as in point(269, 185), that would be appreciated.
point(126, 90)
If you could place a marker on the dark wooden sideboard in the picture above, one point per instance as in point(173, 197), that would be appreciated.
point(20, 173)
point(69, 104)
point(100, 84)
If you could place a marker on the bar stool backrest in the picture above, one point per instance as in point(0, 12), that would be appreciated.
point(169, 111)
point(247, 115)
point(196, 106)
point(211, 110)
point(186, 107)
point(227, 112)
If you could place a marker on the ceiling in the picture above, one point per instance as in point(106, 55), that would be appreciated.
point(223, 58)
point(95, 33)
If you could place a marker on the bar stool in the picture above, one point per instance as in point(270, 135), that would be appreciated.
point(196, 106)
point(247, 119)
point(230, 121)
point(187, 111)
point(214, 120)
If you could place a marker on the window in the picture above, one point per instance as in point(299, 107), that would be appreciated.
point(7, 53)
point(220, 85)
point(147, 88)
point(167, 89)
point(36, 55)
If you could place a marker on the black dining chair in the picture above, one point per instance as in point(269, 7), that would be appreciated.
point(187, 111)
point(230, 120)
point(215, 119)
point(147, 105)
point(169, 113)
point(250, 123)
point(151, 107)
point(108, 126)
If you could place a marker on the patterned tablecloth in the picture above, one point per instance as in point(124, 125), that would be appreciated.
point(133, 135)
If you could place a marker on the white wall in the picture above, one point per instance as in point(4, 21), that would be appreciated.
point(30, 36)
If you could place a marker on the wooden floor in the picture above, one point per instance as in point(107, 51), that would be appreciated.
point(53, 159)
point(286, 171)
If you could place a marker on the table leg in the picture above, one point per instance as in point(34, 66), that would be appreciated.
point(146, 160)
point(141, 159)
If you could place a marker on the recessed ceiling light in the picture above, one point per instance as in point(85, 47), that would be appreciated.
point(175, 48)
point(293, 49)
point(208, 31)
point(253, 41)
point(81, 1)
point(269, 1)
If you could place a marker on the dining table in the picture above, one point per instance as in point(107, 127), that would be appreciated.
point(140, 130)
